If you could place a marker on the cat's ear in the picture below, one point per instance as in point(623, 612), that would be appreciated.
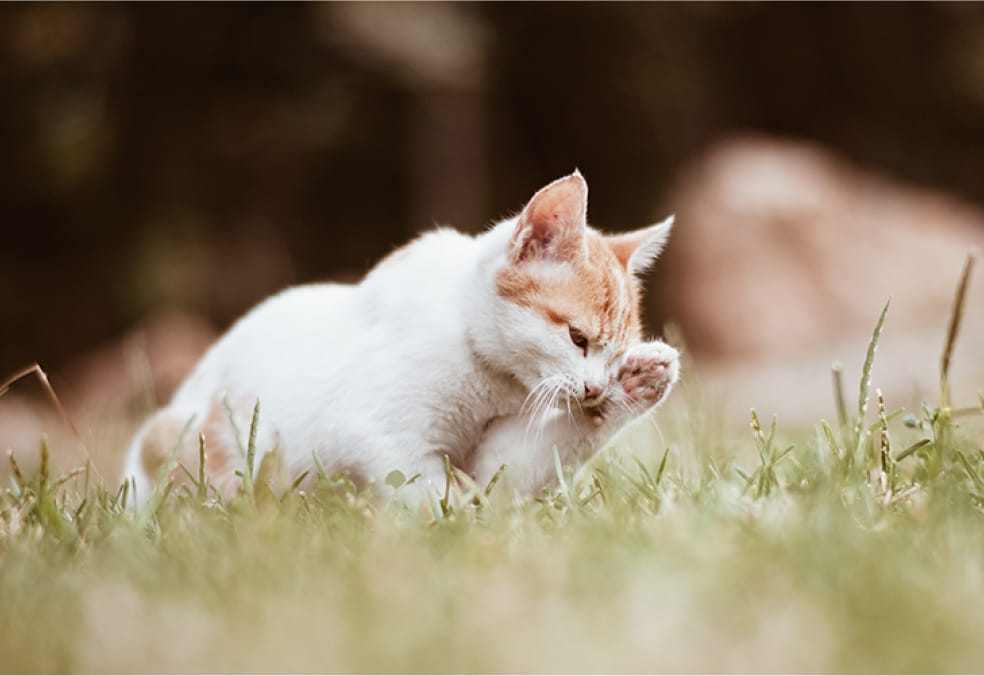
point(637, 250)
point(553, 223)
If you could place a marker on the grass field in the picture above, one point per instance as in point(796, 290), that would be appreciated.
point(855, 546)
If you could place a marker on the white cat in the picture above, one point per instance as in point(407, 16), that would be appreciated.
point(494, 348)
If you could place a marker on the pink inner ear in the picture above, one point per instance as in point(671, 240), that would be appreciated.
point(553, 223)
point(623, 246)
point(637, 250)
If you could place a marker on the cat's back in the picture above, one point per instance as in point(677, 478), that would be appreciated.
point(407, 306)
point(273, 340)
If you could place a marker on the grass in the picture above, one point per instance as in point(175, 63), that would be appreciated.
point(855, 546)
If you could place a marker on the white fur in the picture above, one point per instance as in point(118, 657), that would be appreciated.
point(420, 359)
point(530, 461)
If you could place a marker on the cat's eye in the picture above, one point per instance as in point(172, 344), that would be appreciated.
point(579, 339)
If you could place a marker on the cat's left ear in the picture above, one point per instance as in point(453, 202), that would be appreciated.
point(637, 250)
point(553, 223)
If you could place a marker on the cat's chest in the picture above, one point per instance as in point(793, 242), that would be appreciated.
point(457, 423)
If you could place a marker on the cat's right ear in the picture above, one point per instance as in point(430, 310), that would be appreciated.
point(553, 223)
point(636, 250)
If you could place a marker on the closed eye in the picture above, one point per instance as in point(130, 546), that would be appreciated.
point(579, 339)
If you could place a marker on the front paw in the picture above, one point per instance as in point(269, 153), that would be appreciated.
point(648, 372)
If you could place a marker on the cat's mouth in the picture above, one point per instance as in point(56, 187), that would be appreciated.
point(591, 403)
point(595, 409)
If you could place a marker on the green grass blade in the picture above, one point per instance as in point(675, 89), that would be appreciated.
point(235, 427)
point(662, 467)
point(295, 484)
point(912, 449)
point(494, 480)
point(162, 487)
point(565, 489)
point(869, 363)
point(254, 424)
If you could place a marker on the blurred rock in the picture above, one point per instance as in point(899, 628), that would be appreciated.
point(105, 392)
point(147, 364)
point(783, 258)
point(23, 423)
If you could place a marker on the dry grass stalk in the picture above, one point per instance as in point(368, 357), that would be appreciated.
point(36, 369)
point(956, 315)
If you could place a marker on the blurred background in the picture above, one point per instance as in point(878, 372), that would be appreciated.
point(166, 166)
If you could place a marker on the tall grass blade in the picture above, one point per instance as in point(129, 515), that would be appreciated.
point(232, 423)
point(956, 315)
point(42, 377)
point(202, 484)
point(448, 478)
point(869, 363)
point(565, 489)
point(162, 487)
point(16, 470)
point(837, 374)
point(45, 463)
point(662, 467)
point(884, 450)
point(254, 424)
point(832, 442)
point(971, 473)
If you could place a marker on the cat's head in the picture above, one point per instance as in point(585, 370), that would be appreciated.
point(567, 296)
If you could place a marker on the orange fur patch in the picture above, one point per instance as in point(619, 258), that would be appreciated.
point(593, 292)
point(221, 448)
point(158, 441)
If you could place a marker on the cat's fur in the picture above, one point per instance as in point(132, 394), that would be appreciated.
point(472, 347)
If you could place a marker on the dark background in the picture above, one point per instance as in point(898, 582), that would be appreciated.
point(201, 156)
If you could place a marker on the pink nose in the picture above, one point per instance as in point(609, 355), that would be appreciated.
point(592, 390)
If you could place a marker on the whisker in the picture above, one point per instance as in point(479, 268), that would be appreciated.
point(535, 392)
point(558, 389)
point(542, 414)
point(540, 397)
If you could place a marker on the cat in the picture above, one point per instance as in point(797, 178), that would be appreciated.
point(495, 348)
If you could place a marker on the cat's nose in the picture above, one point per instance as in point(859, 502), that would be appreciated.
point(593, 390)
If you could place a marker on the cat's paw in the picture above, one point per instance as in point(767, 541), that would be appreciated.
point(648, 372)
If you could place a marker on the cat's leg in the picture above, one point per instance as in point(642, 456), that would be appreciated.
point(647, 373)
point(170, 438)
point(430, 481)
point(172, 435)
point(425, 475)
point(526, 448)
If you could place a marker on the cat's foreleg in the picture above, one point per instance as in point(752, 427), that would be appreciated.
point(647, 373)
point(527, 448)
point(426, 481)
